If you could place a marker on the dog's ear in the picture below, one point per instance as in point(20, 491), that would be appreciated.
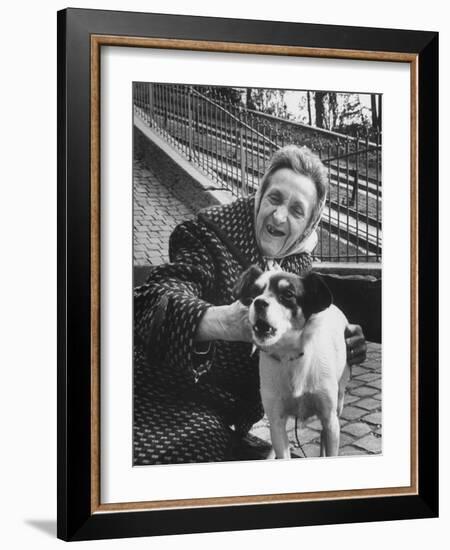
point(317, 296)
point(243, 288)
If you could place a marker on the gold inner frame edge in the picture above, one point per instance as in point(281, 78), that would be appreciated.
point(97, 41)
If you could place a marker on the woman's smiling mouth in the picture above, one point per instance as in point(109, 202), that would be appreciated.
point(274, 232)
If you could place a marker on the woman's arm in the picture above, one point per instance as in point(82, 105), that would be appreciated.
point(176, 295)
point(174, 313)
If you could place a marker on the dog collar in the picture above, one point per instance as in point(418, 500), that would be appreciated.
point(294, 358)
point(275, 356)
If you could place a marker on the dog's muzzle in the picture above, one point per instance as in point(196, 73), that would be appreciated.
point(262, 329)
point(260, 306)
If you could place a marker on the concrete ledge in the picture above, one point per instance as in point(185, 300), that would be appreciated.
point(185, 181)
point(346, 269)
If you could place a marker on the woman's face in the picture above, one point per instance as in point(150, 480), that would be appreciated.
point(284, 212)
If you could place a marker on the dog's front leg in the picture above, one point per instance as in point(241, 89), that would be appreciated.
point(329, 441)
point(278, 434)
point(322, 443)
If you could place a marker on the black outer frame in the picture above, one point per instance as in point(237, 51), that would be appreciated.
point(75, 521)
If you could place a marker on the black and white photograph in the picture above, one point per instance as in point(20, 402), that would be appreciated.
point(257, 253)
point(225, 311)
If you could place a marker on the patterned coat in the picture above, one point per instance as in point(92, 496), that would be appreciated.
point(203, 270)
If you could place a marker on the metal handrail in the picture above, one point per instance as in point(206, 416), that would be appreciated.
point(304, 126)
point(243, 124)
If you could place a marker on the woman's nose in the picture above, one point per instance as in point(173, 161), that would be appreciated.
point(280, 214)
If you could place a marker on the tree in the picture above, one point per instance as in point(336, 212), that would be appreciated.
point(352, 113)
point(249, 103)
point(267, 101)
point(308, 98)
point(319, 98)
point(373, 106)
point(332, 109)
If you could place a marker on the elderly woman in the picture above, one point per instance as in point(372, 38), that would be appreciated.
point(196, 385)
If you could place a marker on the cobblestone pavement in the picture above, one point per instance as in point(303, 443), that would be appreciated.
point(361, 418)
point(156, 213)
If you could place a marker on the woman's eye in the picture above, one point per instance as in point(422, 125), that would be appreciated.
point(298, 213)
point(274, 199)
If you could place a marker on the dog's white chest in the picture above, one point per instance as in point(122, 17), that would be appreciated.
point(288, 388)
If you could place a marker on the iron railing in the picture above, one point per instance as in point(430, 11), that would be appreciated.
point(232, 146)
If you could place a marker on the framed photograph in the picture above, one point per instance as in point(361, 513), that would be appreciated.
point(247, 274)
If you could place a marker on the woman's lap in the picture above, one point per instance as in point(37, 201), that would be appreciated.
point(171, 429)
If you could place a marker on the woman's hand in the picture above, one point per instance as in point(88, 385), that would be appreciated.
point(237, 325)
point(356, 344)
point(225, 323)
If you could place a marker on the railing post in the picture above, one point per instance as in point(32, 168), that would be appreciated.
point(190, 122)
point(355, 193)
point(347, 176)
point(151, 105)
point(356, 170)
point(243, 163)
point(366, 145)
point(377, 177)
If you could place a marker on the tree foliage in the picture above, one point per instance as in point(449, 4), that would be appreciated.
point(339, 111)
point(267, 101)
point(323, 109)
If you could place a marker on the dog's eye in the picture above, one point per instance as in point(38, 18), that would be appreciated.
point(288, 294)
point(252, 293)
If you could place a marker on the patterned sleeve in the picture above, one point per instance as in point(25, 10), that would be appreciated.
point(169, 306)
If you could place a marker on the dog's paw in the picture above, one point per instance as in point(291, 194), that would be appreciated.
point(271, 454)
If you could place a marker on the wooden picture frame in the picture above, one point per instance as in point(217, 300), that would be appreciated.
point(81, 35)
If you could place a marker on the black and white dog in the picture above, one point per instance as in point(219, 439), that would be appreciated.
point(303, 360)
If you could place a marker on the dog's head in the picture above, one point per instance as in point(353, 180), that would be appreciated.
point(279, 302)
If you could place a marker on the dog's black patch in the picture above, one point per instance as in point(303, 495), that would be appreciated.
point(245, 289)
point(288, 289)
point(317, 296)
point(309, 293)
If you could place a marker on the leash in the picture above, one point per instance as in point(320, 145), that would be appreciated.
point(298, 441)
